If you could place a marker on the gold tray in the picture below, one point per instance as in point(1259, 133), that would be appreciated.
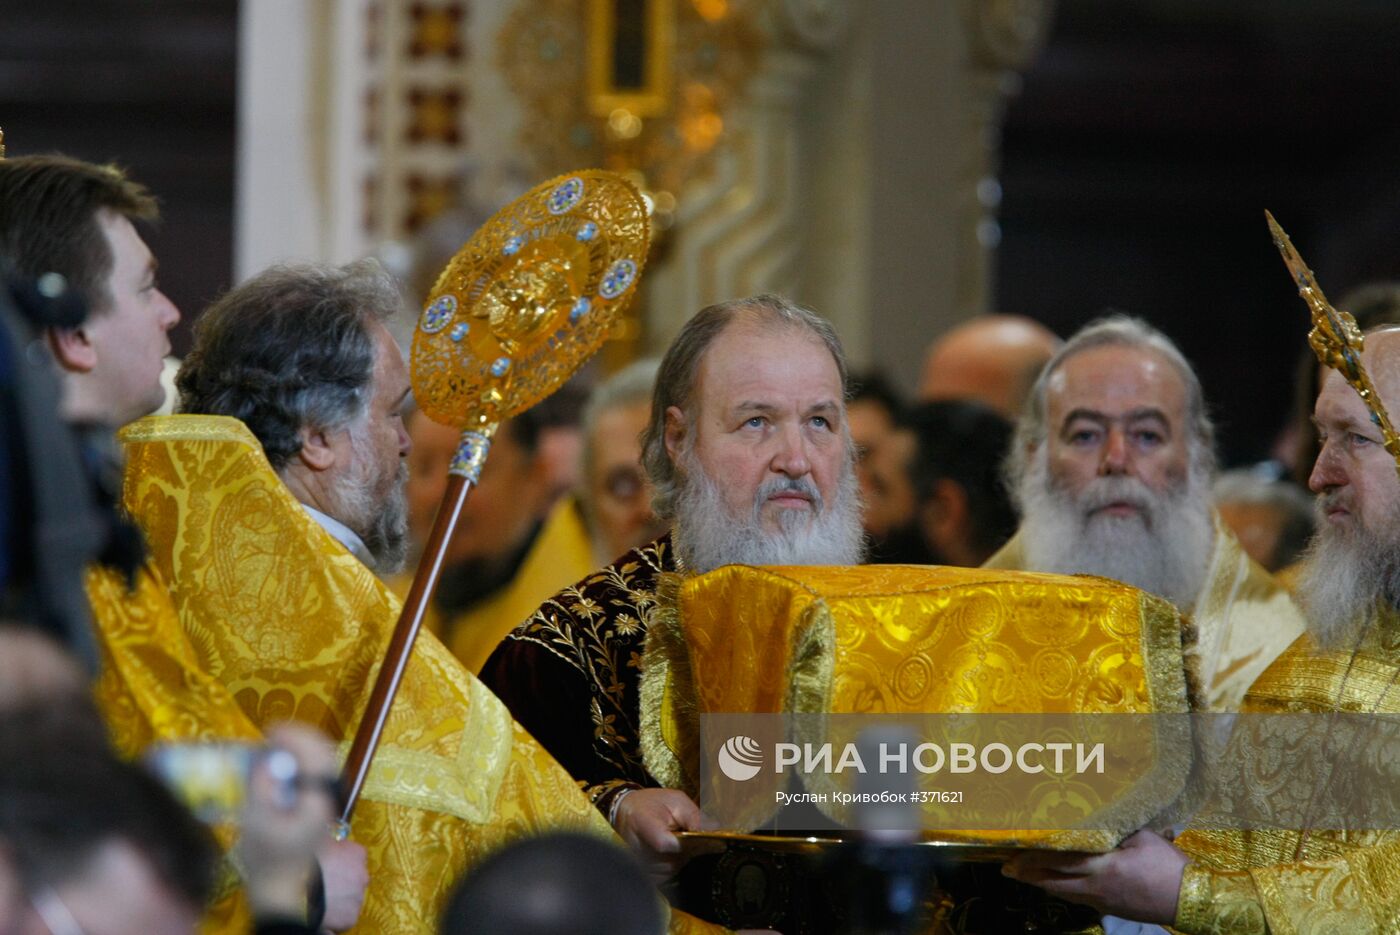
point(696, 842)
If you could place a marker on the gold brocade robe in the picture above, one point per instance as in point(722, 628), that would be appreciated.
point(1275, 881)
point(1241, 622)
point(249, 613)
point(560, 555)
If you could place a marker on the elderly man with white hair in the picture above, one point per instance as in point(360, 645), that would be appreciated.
point(751, 459)
point(1263, 880)
point(1111, 467)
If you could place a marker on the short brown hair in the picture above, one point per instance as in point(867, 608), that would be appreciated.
point(48, 219)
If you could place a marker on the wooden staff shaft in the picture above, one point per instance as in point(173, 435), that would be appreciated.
point(386, 685)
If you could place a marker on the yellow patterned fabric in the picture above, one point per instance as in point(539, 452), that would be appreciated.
point(1317, 881)
point(1241, 621)
point(904, 639)
point(249, 613)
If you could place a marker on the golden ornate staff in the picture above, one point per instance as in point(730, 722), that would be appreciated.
point(519, 308)
point(1336, 339)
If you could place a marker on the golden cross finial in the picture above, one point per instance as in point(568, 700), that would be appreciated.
point(1336, 339)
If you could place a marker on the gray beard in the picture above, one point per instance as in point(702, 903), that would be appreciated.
point(1164, 550)
point(380, 521)
point(1348, 575)
point(708, 535)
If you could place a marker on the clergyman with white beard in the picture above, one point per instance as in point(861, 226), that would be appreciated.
point(751, 460)
point(1111, 468)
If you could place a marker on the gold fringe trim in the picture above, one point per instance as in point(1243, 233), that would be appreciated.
point(813, 664)
point(668, 725)
point(188, 428)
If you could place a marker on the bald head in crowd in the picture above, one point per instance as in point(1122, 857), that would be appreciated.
point(992, 359)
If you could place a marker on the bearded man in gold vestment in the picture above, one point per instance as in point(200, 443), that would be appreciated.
point(1111, 466)
point(266, 505)
point(1308, 880)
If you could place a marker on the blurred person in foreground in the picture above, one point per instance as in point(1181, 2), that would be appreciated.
point(1306, 879)
point(991, 359)
point(94, 844)
point(89, 843)
point(750, 457)
point(34, 667)
point(556, 884)
point(270, 503)
point(1111, 467)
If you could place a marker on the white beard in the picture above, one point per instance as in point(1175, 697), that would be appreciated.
point(1164, 549)
point(380, 519)
point(1348, 575)
point(708, 535)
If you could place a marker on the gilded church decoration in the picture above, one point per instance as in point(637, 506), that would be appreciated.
point(436, 29)
point(642, 86)
point(415, 111)
point(629, 56)
point(429, 196)
point(435, 115)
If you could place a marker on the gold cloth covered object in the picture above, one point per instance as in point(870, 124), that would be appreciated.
point(1240, 622)
point(248, 613)
point(913, 639)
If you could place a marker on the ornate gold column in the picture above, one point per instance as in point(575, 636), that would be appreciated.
point(738, 231)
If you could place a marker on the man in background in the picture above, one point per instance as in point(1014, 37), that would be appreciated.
point(963, 513)
point(615, 494)
point(992, 359)
point(875, 413)
point(1272, 518)
point(509, 551)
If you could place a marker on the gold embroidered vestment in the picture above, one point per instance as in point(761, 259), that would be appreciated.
point(1241, 621)
point(1291, 881)
point(248, 613)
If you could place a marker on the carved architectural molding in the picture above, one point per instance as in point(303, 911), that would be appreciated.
point(738, 230)
point(844, 153)
point(1007, 34)
point(353, 124)
point(1003, 38)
